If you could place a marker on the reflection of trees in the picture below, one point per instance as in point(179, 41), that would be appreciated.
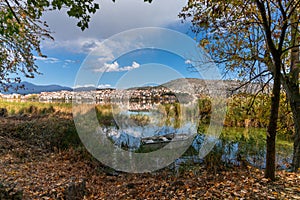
point(172, 115)
point(140, 119)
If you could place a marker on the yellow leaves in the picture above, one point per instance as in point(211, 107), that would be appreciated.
point(23, 15)
point(204, 42)
point(12, 173)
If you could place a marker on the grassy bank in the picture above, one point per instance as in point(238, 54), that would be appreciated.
point(35, 108)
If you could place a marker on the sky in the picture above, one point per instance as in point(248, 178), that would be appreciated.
point(116, 47)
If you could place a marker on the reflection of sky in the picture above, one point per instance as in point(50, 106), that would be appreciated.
point(152, 130)
point(131, 136)
point(136, 112)
point(153, 122)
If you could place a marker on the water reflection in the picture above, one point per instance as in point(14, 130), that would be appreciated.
point(141, 131)
point(238, 145)
point(157, 125)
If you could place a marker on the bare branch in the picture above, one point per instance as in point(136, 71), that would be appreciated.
point(250, 80)
point(290, 47)
point(256, 94)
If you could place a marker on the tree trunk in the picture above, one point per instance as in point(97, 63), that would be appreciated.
point(272, 127)
point(296, 116)
point(292, 89)
point(275, 68)
point(293, 95)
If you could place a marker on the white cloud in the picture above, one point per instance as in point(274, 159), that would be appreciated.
point(133, 66)
point(50, 60)
point(77, 45)
point(115, 67)
point(110, 19)
point(92, 85)
point(188, 62)
point(104, 86)
point(68, 62)
point(86, 85)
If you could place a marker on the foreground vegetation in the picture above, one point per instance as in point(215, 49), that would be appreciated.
point(41, 157)
point(40, 168)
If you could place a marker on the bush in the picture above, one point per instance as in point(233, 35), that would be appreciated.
point(3, 112)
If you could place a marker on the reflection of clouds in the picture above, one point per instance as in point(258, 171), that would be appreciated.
point(108, 52)
point(132, 136)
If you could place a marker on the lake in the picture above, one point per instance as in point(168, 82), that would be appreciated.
point(153, 127)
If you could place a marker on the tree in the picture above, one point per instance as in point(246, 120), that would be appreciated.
point(22, 30)
point(292, 88)
point(255, 39)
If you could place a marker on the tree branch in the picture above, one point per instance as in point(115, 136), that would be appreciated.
point(250, 80)
point(13, 12)
point(283, 29)
point(256, 94)
point(293, 9)
point(290, 47)
point(267, 28)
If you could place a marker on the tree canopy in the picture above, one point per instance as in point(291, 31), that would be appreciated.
point(255, 39)
point(243, 36)
point(22, 30)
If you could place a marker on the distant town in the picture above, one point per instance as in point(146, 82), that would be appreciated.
point(183, 90)
point(99, 95)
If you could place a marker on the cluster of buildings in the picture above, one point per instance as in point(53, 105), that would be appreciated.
point(178, 90)
point(158, 94)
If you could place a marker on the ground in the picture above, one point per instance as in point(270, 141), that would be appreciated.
point(29, 162)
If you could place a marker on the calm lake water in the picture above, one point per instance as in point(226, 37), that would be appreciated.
point(151, 129)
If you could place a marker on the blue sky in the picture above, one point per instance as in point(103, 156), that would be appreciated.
point(72, 47)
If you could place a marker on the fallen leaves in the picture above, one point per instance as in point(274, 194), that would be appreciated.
point(50, 174)
point(48, 178)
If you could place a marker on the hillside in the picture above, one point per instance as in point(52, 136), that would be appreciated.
point(201, 86)
point(186, 85)
point(30, 88)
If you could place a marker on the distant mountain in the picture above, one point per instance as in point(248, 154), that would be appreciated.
point(200, 86)
point(91, 88)
point(30, 88)
point(85, 89)
point(185, 85)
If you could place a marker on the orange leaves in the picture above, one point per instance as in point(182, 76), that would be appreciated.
point(49, 178)
point(45, 175)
